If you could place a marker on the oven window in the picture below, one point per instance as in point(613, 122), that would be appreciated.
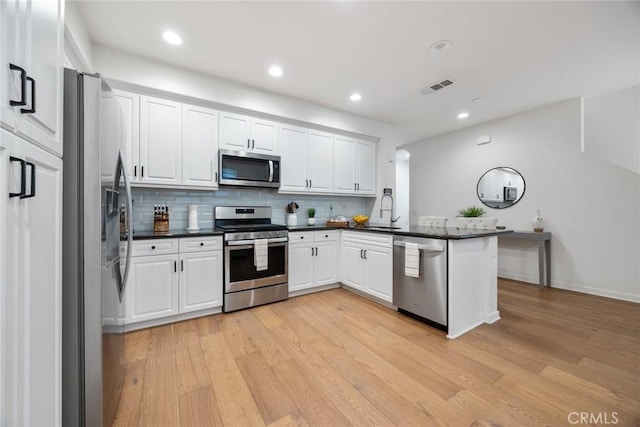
point(245, 169)
point(241, 266)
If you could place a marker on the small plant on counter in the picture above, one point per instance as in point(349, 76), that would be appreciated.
point(311, 213)
point(471, 212)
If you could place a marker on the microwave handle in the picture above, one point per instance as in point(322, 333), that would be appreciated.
point(270, 170)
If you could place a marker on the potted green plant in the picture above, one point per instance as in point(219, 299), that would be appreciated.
point(471, 212)
point(471, 218)
point(311, 213)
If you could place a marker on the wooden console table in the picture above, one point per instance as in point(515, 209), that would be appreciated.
point(544, 251)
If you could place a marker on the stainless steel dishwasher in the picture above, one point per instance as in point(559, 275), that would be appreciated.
point(423, 297)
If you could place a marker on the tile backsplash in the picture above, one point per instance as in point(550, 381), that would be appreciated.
point(144, 199)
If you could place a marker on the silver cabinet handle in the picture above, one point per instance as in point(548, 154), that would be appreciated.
point(365, 254)
point(248, 143)
point(253, 144)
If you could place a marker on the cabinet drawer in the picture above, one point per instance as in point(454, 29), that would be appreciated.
point(364, 238)
point(200, 244)
point(155, 247)
point(325, 236)
point(303, 237)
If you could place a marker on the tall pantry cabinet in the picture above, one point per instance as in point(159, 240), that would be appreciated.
point(31, 47)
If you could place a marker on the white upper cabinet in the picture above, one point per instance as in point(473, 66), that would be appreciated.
point(199, 147)
point(31, 58)
point(320, 162)
point(243, 133)
point(294, 154)
point(130, 104)
point(344, 164)
point(169, 143)
point(307, 160)
point(354, 166)
point(160, 141)
point(366, 167)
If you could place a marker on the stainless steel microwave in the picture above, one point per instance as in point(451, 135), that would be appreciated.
point(245, 169)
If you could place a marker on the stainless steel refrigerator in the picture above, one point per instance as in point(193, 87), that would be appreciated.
point(96, 212)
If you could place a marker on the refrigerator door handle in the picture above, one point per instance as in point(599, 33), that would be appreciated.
point(128, 231)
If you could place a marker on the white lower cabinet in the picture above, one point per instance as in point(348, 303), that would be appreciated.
point(198, 287)
point(367, 263)
point(30, 284)
point(313, 259)
point(152, 288)
point(171, 277)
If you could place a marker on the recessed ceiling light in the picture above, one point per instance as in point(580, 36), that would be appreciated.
point(275, 71)
point(440, 46)
point(172, 38)
point(463, 115)
point(477, 99)
point(355, 97)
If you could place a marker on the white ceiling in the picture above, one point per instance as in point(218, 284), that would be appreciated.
point(513, 55)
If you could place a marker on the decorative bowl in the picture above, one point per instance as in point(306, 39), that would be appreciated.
point(360, 219)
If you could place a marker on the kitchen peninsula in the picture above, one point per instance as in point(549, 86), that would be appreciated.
point(470, 275)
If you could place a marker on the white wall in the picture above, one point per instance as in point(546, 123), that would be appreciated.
point(78, 47)
point(612, 127)
point(402, 193)
point(120, 66)
point(591, 207)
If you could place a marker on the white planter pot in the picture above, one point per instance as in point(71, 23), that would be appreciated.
point(311, 221)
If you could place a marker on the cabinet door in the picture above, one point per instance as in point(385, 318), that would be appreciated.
point(300, 266)
point(199, 147)
point(293, 176)
point(366, 159)
point(344, 164)
point(10, 86)
point(352, 268)
point(152, 291)
point(160, 141)
point(325, 263)
point(320, 164)
point(264, 137)
point(200, 281)
point(43, 50)
point(34, 304)
point(31, 34)
point(235, 132)
point(379, 272)
point(130, 104)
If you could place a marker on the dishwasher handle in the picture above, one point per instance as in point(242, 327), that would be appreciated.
point(422, 247)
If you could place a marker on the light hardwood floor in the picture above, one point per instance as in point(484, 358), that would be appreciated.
point(334, 358)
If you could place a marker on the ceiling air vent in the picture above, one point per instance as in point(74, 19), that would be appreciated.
point(437, 86)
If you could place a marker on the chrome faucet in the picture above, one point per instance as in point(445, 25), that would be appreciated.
point(392, 220)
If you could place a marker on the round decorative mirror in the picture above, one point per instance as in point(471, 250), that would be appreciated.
point(500, 187)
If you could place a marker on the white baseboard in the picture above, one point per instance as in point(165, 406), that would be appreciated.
point(313, 290)
point(624, 296)
point(492, 317)
point(171, 319)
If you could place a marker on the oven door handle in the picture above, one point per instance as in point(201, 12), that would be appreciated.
point(251, 241)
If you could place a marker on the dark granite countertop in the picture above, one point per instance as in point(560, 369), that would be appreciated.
point(413, 230)
point(319, 227)
point(173, 234)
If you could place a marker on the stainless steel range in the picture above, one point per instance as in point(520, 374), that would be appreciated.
point(255, 256)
